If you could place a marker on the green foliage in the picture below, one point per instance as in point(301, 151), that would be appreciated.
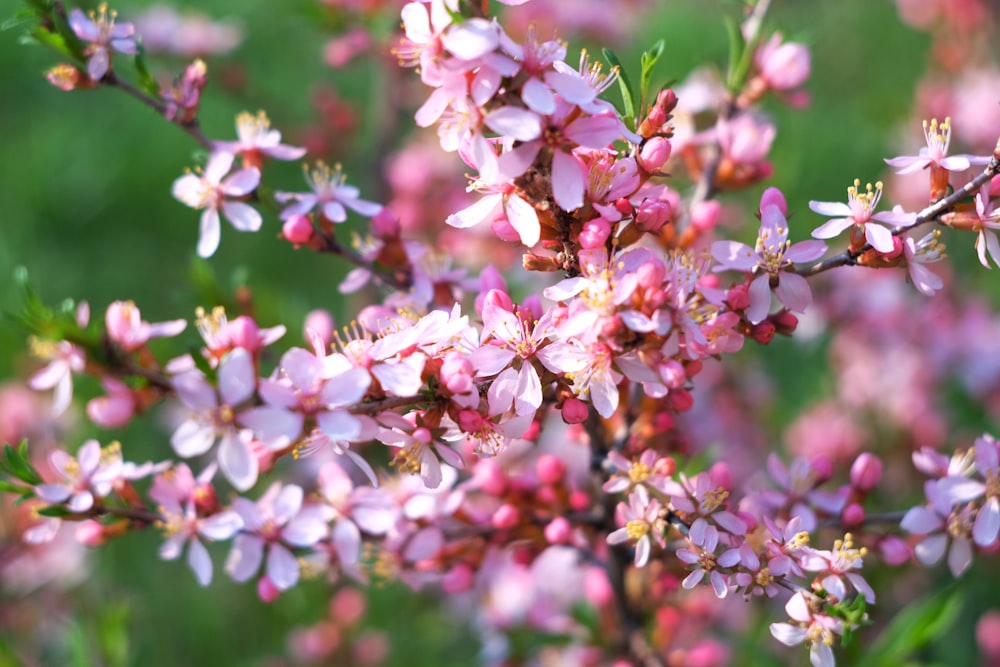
point(15, 463)
point(919, 624)
point(624, 85)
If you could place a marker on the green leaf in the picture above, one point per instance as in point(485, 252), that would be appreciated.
point(10, 487)
point(648, 61)
point(17, 464)
point(737, 47)
point(55, 511)
point(915, 626)
point(113, 634)
point(146, 81)
point(628, 96)
point(19, 18)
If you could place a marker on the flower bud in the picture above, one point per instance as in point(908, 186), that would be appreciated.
point(574, 411)
point(579, 500)
point(784, 322)
point(853, 516)
point(866, 472)
point(763, 333)
point(594, 234)
point(654, 154)
point(506, 516)
point(721, 475)
point(385, 224)
point(705, 215)
point(90, 533)
point(298, 229)
point(244, 332)
point(499, 299)
point(321, 322)
point(458, 579)
point(470, 421)
point(550, 469)
point(681, 400)
point(822, 468)
point(783, 66)
point(596, 587)
point(348, 606)
point(559, 531)
point(490, 477)
point(505, 231)
point(738, 297)
point(652, 214)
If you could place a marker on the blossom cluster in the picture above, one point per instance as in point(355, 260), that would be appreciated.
point(456, 435)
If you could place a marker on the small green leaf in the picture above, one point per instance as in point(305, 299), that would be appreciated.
point(19, 466)
point(915, 626)
point(648, 61)
point(9, 487)
point(55, 511)
point(628, 96)
point(146, 81)
point(736, 48)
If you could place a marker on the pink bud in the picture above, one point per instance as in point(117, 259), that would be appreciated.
point(579, 500)
point(505, 231)
point(738, 297)
point(774, 197)
point(866, 472)
point(652, 214)
point(822, 468)
point(456, 373)
point(490, 476)
point(651, 274)
point(595, 232)
point(995, 186)
point(666, 99)
point(894, 550)
point(244, 332)
point(574, 411)
point(597, 588)
point(785, 322)
point(623, 206)
point(348, 606)
point(297, 229)
point(705, 215)
point(681, 400)
point(374, 319)
point(321, 321)
point(853, 516)
point(533, 431)
point(654, 154)
point(470, 421)
point(707, 653)
point(506, 516)
point(672, 373)
point(458, 579)
point(559, 531)
point(547, 495)
point(266, 590)
point(89, 533)
point(763, 333)
point(385, 224)
point(988, 636)
point(550, 469)
point(370, 648)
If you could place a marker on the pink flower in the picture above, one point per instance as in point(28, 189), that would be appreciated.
point(103, 37)
point(182, 525)
point(815, 629)
point(431, 36)
point(835, 567)
point(703, 540)
point(329, 193)
point(937, 523)
point(417, 450)
point(938, 136)
point(210, 191)
point(640, 516)
point(860, 211)
point(127, 328)
point(256, 136)
point(88, 476)
point(771, 258)
point(278, 523)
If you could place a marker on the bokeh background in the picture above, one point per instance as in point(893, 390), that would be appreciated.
point(85, 207)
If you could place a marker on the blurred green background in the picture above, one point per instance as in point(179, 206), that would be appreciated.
point(86, 208)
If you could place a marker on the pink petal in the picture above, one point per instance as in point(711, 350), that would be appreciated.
point(339, 425)
point(192, 438)
point(524, 219)
point(538, 97)
point(471, 39)
point(514, 122)
point(237, 378)
point(832, 228)
point(487, 209)
point(243, 182)
point(805, 251)
point(760, 298)
point(245, 556)
point(220, 526)
point(200, 562)
point(831, 208)
point(987, 525)
point(219, 164)
point(237, 461)
point(567, 181)
point(347, 541)
point(793, 291)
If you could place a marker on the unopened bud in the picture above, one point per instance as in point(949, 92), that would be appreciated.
point(458, 579)
point(763, 333)
point(853, 516)
point(385, 224)
point(506, 516)
point(681, 400)
point(652, 214)
point(894, 550)
point(550, 469)
point(559, 531)
point(654, 154)
point(784, 322)
point(774, 197)
point(866, 472)
point(738, 297)
point(266, 590)
point(705, 215)
point(594, 234)
point(298, 229)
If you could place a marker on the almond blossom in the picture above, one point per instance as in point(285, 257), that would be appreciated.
point(811, 627)
point(256, 138)
point(927, 250)
point(87, 476)
point(937, 136)
point(641, 517)
point(64, 360)
point(771, 257)
point(276, 523)
point(989, 219)
point(103, 37)
point(330, 194)
point(212, 190)
point(127, 328)
point(859, 211)
point(181, 525)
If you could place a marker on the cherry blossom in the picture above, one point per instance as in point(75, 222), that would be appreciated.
point(859, 211)
point(103, 37)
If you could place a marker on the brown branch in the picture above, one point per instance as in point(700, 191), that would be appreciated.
point(160, 107)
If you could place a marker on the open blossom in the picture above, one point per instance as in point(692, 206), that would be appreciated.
point(211, 191)
point(329, 193)
point(103, 36)
point(431, 36)
point(127, 328)
point(641, 516)
point(181, 525)
point(277, 523)
point(817, 630)
point(938, 136)
point(860, 211)
point(770, 257)
point(703, 541)
point(939, 525)
point(256, 138)
point(85, 477)
point(783, 65)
